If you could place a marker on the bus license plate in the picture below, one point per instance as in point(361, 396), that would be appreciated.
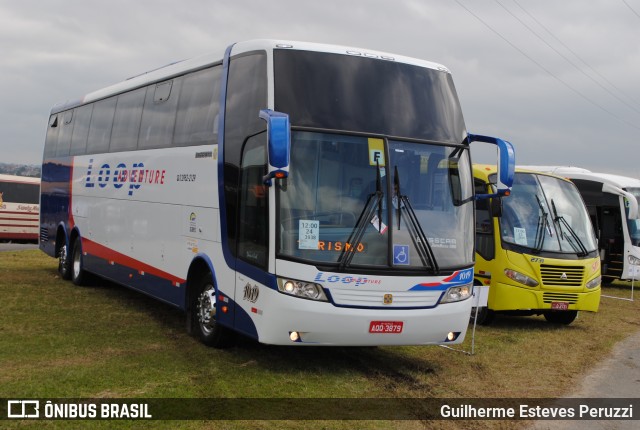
point(386, 327)
point(560, 306)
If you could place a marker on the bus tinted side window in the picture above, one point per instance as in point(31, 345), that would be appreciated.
point(51, 141)
point(159, 115)
point(64, 136)
point(126, 122)
point(81, 130)
point(246, 95)
point(100, 128)
point(13, 192)
point(198, 109)
point(253, 224)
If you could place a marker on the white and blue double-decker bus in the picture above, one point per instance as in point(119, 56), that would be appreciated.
point(296, 193)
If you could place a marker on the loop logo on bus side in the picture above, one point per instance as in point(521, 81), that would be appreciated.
point(121, 175)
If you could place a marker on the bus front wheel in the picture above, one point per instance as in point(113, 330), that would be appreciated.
point(205, 314)
point(561, 317)
point(485, 315)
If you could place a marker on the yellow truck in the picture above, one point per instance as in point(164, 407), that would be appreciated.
point(536, 250)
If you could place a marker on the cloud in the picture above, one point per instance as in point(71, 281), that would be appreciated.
point(543, 91)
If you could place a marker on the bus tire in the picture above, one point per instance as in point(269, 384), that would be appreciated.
point(561, 317)
point(485, 315)
point(203, 312)
point(78, 274)
point(64, 262)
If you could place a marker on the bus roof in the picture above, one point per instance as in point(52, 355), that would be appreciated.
point(488, 169)
point(178, 68)
point(19, 179)
point(580, 173)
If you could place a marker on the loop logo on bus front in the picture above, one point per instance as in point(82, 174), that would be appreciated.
point(120, 175)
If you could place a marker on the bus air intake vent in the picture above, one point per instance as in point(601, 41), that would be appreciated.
point(560, 297)
point(44, 234)
point(564, 276)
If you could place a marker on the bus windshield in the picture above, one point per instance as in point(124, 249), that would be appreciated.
point(367, 95)
point(544, 213)
point(343, 201)
point(634, 224)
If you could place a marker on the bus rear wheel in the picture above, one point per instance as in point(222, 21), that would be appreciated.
point(64, 262)
point(78, 275)
point(561, 317)
point(204, 312)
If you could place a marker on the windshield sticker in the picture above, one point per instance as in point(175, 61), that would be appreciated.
point(378, 225)
point(401, 255)
point(308, 234)
point(520, 235)
point(443, 242)
point(376, 152)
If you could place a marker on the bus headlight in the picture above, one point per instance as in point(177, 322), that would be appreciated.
point(457, 294)
point(302, 289)
point(633, 260)
point(520, 278)
point(595, 282)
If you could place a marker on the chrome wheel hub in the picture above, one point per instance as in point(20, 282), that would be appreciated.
point(207, 309)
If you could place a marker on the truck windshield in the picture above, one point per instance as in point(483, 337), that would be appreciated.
point(544, 213)
point(373, 202)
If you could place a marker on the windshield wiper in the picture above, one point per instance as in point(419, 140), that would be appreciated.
point(543, 222)
point(575, 243)
point(396, 187)
point(374, 201)
point(418, 237)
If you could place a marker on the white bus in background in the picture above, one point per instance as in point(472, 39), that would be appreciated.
point(297, 193)
point(612, 202)
point(19, 208)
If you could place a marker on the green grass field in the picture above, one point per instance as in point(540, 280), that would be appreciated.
point(104, 341)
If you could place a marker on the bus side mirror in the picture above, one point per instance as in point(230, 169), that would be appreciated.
point(278, 143)
point(506, 163)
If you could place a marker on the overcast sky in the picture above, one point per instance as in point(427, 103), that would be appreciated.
point(559, 79)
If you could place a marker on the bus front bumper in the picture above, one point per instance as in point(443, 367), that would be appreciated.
point(295, 321)
point(506, 297)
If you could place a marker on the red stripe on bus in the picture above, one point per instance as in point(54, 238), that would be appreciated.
point(108, 254)
point(6, 235)
point(32, 213)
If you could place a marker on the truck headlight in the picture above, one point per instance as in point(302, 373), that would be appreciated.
point(520, 278)
point(302, 289)
point(595, 282)
point(457, 294)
